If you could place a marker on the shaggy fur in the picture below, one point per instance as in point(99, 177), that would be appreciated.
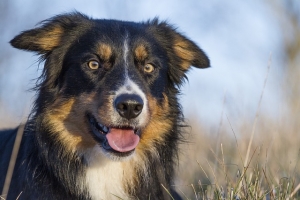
point(106, 121)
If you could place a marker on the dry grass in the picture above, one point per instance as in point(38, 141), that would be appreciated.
point(272, 171)
point(12, 161)
point(252, 159)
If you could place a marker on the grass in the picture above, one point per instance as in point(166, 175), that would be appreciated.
point(271, 172)
point(251, 159)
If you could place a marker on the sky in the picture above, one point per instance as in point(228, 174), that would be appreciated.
point(241, 39)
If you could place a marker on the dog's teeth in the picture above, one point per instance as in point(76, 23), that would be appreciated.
point(105, 129)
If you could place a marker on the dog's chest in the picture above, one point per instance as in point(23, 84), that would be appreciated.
point(105, 179)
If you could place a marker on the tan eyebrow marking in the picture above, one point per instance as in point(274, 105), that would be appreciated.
point(105, 52)
point(140, 52)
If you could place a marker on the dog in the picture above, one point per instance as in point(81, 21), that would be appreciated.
point(106, 122)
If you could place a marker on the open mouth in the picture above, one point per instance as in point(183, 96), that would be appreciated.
point(121, 141)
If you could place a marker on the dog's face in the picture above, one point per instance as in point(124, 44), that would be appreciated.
point(110, 84)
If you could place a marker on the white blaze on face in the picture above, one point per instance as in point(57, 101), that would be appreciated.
point(125, 55)
point(130, 87)
point(105, 174)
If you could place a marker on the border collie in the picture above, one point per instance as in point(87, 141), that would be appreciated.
point(106, 121)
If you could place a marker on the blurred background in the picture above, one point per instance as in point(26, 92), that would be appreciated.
point(243, 112)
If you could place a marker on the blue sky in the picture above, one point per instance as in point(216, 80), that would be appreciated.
point(240, 37)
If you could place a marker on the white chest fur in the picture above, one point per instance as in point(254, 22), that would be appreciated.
point(104, 177)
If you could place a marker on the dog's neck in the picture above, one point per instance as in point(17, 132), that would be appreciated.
point(109, 179)
point(104, 178)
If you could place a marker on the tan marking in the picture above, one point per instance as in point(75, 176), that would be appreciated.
point(104, 51)
point(135, 168)
point(106, 109)
point(160, 124)
point(181, 48)
point(141, 53)
point(67, 118)
point(50, 39)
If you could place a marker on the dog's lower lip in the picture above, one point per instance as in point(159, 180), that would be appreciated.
point(106, 146)
point(137, 132)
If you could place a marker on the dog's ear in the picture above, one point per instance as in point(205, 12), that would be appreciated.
point(181, 51)
point(49, 34)
point(189, 53)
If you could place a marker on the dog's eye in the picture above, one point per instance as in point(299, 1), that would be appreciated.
point(93, 64)
point(148, 68)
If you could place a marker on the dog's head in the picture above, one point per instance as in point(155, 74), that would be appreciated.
point(110, 84)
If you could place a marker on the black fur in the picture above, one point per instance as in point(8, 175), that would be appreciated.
point(45, 168)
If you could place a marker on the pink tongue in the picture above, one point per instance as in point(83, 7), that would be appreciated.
point(122, 140)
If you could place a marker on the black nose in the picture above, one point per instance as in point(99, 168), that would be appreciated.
point(129, 105)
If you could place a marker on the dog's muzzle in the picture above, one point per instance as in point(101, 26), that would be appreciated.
point(120, 139)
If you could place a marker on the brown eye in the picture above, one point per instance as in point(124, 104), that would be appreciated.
point(93, 64)
point(148, 68)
